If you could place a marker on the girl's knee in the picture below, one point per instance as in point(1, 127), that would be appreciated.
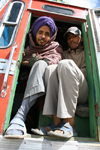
point(65, 63)
point(51, 68)
point(40, 63)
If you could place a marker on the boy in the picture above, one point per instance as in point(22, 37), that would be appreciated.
point(44, 49)
point(66, 86)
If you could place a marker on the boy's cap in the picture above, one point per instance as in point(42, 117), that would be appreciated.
point(73, 30)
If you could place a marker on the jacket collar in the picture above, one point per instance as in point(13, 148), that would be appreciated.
point(71, 50)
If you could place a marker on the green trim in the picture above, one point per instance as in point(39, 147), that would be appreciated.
point(92, 119)
point(95, 71)
point(94, 63)
point(24, 39)
point(12, 93)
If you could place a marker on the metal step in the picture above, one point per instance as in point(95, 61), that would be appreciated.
point(47, 143)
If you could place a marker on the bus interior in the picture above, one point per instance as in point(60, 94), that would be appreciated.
point(34, 117)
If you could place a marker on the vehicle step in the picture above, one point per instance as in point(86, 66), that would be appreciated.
point(48, 143)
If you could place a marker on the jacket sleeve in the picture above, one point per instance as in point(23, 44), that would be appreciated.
point(27, 54)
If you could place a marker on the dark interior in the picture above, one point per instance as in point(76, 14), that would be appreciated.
point(33, 115)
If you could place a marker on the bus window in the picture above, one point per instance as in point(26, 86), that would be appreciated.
point(9, 23)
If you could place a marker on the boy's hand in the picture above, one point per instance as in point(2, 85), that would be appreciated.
point(32, 60)
point(23, 53)
point(25, 63)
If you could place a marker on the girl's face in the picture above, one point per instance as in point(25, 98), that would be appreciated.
point(74, 41)
point(43, 35)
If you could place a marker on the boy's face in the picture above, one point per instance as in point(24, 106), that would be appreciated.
point(74, 41)
point(43, 35)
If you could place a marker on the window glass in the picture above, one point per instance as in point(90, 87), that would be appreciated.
point(6, 35)
point(14, 12)
point(58, 10)
point(10, 23)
